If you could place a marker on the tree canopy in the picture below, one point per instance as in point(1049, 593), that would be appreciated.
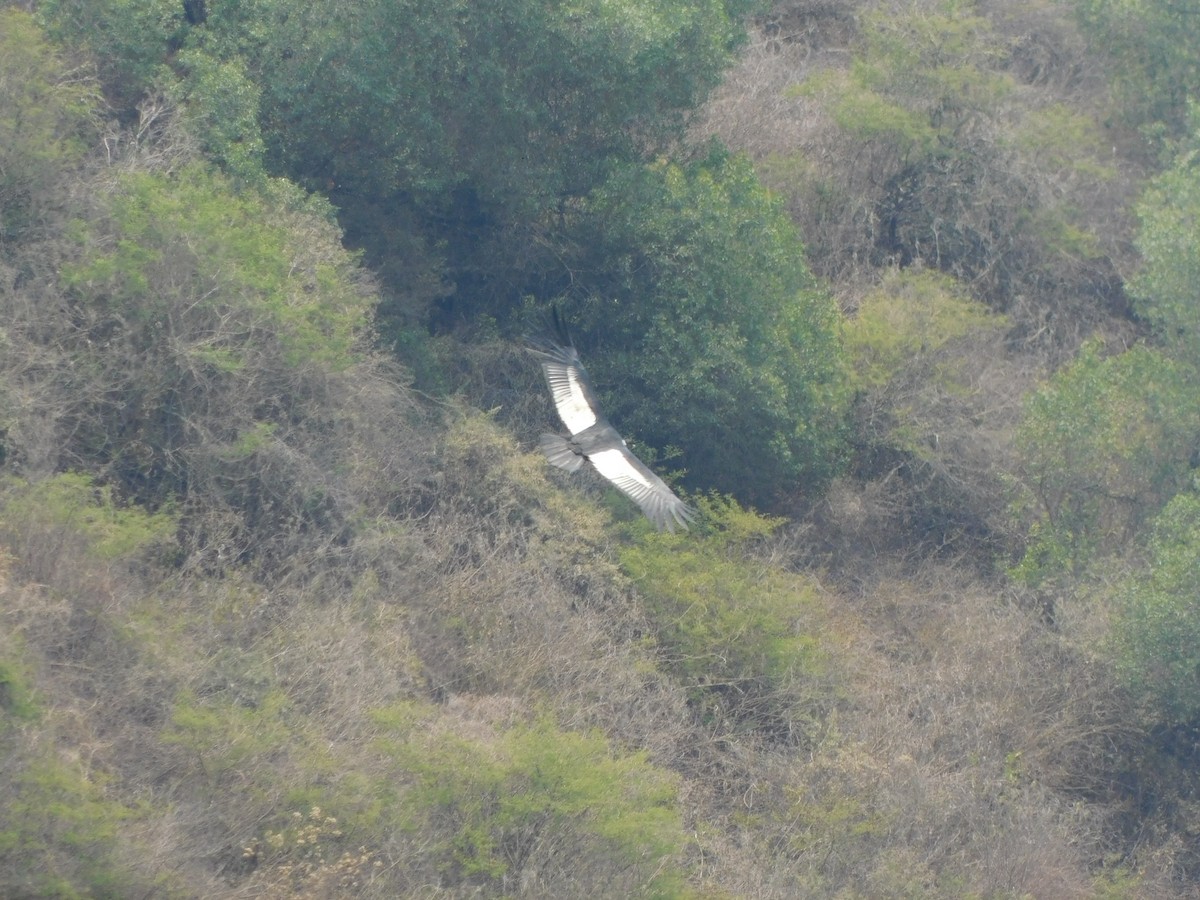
point(708, 331)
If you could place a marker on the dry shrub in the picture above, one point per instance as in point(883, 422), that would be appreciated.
point(995, 685)
point(521, 596)
point(758, 110)
point(938, 398)
point(1002, 174)
point(494, 798)
point(969, 752)
point(305, 860)
point(975, 755)
point(225, 367)
point(990, 733)
point(74, 671)
point(320, 565)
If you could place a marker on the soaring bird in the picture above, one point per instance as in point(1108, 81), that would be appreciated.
point(594, 439)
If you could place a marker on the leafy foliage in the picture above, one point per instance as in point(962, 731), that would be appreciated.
point(705, 329)
point(63, 829)
point(60, 832)
point(467, 125)
point(16, 704)
point(384, 616)
point(1156, 637)
point(1158, 623)
point(742, 639)
point(129, 39)
point(936, 57)
point(913, 314)
point(132, 262)
point(74, 502)
point(202, 321)
point(1105, 445)
point(1155, 47)
point(932, 409)
point(933, 143)
point(499, 101)
point(1165, 287)
point(47, 117)
point(225, 732)
point(536, 797)
point(222, 103)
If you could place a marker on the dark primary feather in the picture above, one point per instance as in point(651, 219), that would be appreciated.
point(570, 388)
point(594, 439)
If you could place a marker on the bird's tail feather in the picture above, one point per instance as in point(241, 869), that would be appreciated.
point(560, 452)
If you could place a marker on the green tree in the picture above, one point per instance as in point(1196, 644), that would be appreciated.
point(705, 330)
point(451, 136)
point(1156, 634)
point(48, 114)
point(519, 102)
point(1158, 624)
point(222, 105)
point(1164, 289)
point(535, 798)
point(740, 636)
point(130, 40)
point(1155, 47)
point(1107, 443)
point(1104, 446)
point(480, 125)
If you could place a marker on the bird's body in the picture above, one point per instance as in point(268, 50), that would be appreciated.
point(594, 439)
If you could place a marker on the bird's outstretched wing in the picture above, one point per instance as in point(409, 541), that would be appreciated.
point(646, 489)
point(593, 438)
point(568, 379)
point(561, 452)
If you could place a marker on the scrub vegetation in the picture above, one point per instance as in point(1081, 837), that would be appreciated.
point(901, 295)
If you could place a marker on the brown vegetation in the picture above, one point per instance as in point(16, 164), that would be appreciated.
point(273, 624)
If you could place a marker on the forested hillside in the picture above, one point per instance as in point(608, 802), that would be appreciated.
point(901, 295)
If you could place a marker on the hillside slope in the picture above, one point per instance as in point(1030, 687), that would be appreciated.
point(291, 606)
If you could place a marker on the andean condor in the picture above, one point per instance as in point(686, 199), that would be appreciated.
point(594, 439)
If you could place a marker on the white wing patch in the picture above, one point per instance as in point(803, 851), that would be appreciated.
point(576, 406)
point(646, 489)
point(570, 396)
point(618, 468)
